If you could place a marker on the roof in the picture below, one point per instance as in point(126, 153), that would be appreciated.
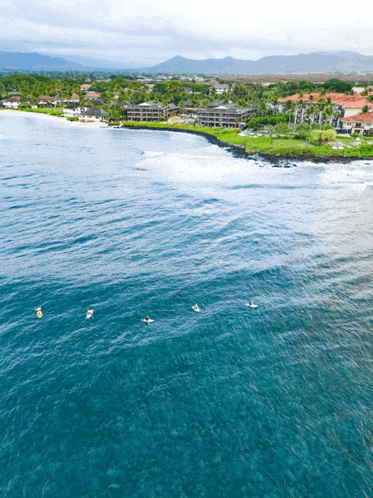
point(223, 86)
point(227, 109)
point(13, 99)
point(91, 95)
point(85, 86)
point(46, 97)
point(149, 104)
point(95, 111)
point(216, 103)
point(348, 101)
point(367, 117)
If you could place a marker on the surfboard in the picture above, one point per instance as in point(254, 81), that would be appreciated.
point(252, 305)
point(147, 321)
point(196, 310)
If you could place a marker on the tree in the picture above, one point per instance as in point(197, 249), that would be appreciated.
point(282, 129)
point(310, 114)
point(365, 110)
point(328, 111)
point(322, 137)
point(289, 107)
point(335, 85)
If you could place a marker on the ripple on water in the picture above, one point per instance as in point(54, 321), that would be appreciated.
point(231, 401)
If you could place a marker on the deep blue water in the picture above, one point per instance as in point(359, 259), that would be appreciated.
point(270, 402)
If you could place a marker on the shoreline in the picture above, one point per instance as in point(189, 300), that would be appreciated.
point(239, 151)
point(41, 115)
point(235, 149)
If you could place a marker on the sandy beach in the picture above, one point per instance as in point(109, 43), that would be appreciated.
point(48, 117)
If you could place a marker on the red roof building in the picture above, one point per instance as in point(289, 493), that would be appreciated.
point(91, 95)
point(86, 86)
point(359, 123)
point(351, 104)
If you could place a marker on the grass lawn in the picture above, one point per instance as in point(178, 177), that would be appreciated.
point(286, 147)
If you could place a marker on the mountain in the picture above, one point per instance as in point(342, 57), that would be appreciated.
point(315, 62)
point(37, 62)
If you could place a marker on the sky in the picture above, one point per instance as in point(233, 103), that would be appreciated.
point(141, 33)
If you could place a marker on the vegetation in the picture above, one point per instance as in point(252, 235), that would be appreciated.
point(279, 146)
point(322, 137)
point(282, 136)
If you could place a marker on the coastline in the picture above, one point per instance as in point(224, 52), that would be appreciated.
point(238, 150)
point(48, 117)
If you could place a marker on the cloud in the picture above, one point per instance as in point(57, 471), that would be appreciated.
point(146, 32)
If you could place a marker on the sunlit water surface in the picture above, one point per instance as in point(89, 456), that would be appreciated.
point(271, 402)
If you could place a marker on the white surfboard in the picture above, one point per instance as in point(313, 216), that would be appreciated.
point(147, 321)
point(197, 310)
point(251, 305)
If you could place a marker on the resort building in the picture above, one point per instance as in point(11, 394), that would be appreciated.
point(150, 111)
point(360, 123)
point(343, 105)
point(225, 116)
point(85, 87)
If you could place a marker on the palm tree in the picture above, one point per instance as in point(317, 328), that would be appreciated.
point(320, 106)
point(365, 110)
point(289, 107)
point(328, 112)
point(310, 113)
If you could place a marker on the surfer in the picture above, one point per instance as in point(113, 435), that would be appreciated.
point(252, 305)
point(39, 313)
point(196, 308)
point(147, 320)
point(89, 314)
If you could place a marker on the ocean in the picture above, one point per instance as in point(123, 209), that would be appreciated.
point(270, 402)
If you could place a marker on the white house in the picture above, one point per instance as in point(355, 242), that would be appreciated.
point(219, 89)
point(12, 102)
point(73, 111)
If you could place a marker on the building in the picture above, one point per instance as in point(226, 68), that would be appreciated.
point(93, 114)
point(219, 89)
point(73, 111)
point(225, 116)
point(92, 95)
point(150, 111)
point(359, 123)
point(85, 87)
point(188, 108)
point(46, 99)
point(345, 105)
point(12, 102)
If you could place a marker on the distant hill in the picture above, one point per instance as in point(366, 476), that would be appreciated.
point(337, 62)
point(37, 62)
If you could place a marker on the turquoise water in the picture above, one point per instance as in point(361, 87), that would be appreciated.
point(230, 402)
